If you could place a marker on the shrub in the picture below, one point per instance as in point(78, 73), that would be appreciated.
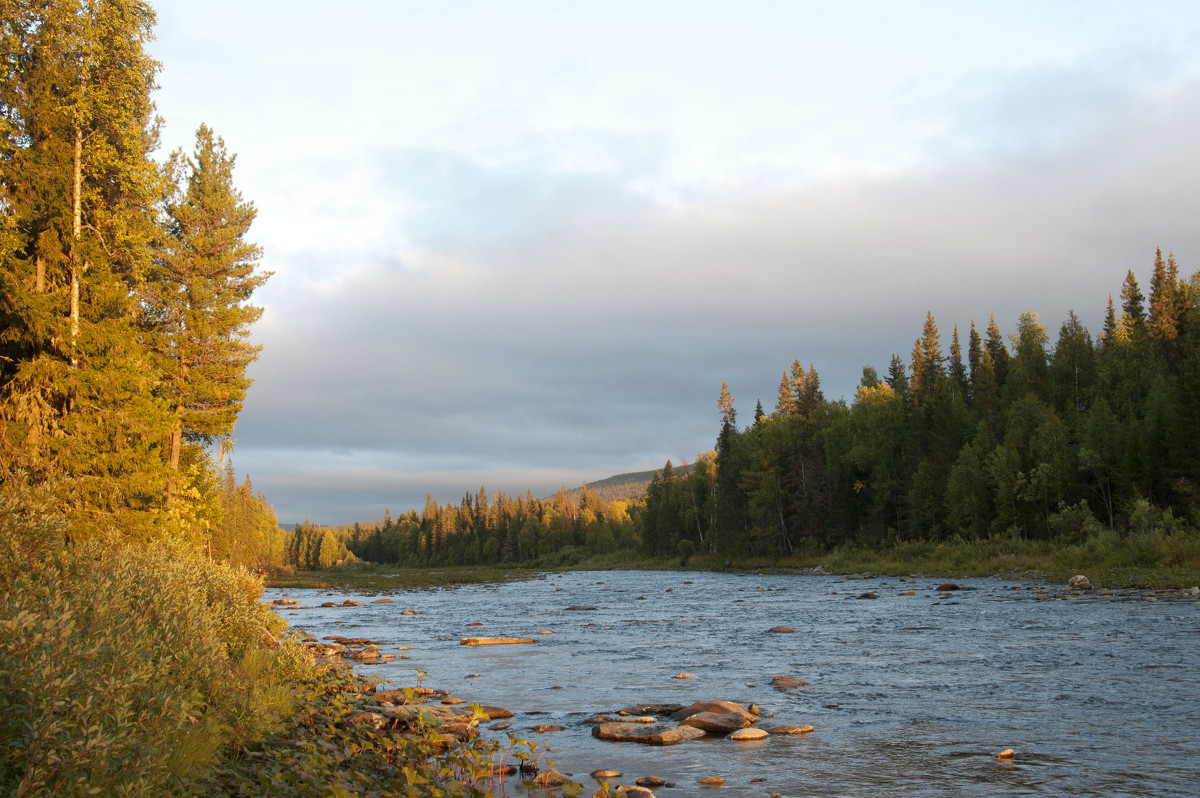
point(123, 672)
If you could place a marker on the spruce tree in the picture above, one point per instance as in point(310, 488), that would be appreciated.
point(196, 307)
point(76, 403)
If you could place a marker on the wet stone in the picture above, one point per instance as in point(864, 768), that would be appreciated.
point(647, 735)
point(792, 729)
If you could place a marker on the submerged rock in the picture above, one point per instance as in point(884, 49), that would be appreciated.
point(787, 682)
point(551, 778)
point(651, 709)
point(947, 586)
point(748, 734)
point(496, 641)
point(635, 791)
point(791, 728)
point(781, 630)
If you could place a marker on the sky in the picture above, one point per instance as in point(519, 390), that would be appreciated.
point(517, 245)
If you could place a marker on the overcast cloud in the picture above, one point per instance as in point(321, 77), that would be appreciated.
point(522, 244)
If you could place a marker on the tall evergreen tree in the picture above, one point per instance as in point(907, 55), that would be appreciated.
point(1165, 308)
point(75, 400)
point(196, 307)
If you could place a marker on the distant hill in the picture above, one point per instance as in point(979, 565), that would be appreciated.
point(623, 486)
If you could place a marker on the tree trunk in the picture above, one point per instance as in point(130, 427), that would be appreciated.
point(176, 446)
point(76, 232)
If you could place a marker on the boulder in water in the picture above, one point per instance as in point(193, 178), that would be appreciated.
point(647, 735)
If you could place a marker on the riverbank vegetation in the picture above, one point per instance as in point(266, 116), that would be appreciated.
point(135, 655)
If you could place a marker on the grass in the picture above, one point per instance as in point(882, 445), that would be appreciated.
point(1145, 560)
point(365, 577)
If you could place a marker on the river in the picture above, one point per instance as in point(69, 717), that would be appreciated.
point(911, 695)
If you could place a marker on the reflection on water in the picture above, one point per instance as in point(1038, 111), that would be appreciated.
point(910, 694)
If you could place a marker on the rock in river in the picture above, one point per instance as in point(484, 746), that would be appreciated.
point(718, 722)
point(495, 641)
point(792, 728)
point(715, 707)
point(647, 735)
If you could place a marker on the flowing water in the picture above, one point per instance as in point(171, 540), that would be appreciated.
point(911, 695)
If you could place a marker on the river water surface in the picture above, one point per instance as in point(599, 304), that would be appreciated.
point(911, 695)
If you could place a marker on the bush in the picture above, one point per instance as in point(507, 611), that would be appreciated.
point(123, 672)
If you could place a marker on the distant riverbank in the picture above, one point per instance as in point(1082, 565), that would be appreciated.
point(1118, 562)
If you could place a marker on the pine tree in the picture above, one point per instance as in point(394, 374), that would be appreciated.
point(1165, 309)
point(1072, 366)
point(76, 400)
point(196, 307)
point(725, 405)
point(785, 404)
point(1027, 373)
point(957, 372)
point(994, 343)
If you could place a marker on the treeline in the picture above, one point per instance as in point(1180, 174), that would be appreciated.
point(1015, 438)
point(124, 291)
point(512, 529)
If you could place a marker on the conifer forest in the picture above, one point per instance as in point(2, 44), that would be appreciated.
point(1013, 437)
point(136, 654)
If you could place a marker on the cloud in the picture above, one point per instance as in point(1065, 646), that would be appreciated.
point(521, 322)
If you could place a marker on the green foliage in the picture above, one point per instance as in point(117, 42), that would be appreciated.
point(31, 529)
point(124, 671)
point(122, 320)
point(318, 753)
point(1054, 445)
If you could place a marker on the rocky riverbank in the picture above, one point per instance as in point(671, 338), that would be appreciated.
point(421, 710)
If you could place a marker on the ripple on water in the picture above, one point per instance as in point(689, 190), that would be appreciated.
point(909, 696)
